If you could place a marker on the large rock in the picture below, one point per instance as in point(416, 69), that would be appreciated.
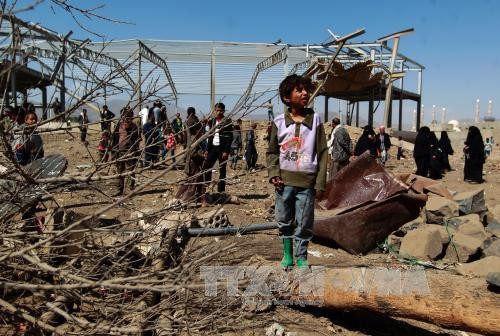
point(491, 247)
point(445, 233)
point(494, 228)
point(471, 201)
point(456, 222)
point(480, 267)
point(462, 247)
point(496, 212)
point(439, 209)
point(413, 224)
point(474, 229)
point(214, 218)
point(422, 243)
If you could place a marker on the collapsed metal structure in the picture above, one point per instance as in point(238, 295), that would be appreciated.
point(144, 70)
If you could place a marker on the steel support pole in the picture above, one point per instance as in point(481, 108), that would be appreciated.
point(357, 114)
point(139, 82)
point(62, 90)
point(326, 109)
point(389, 120)
point(388, 93)
point(212, 79)
point(13, 88)
point(370, 108)
point(400, 125)
point(44, 103)
point(419, 107)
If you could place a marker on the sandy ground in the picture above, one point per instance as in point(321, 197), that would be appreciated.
point(257, 196)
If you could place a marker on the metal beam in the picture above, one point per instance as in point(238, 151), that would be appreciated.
point(272, 60)
point(77, 51)
point(388, 93)
point(84, 53)
point(277, 57)
point(154, 58)
point(48, 34)
point(300, 65)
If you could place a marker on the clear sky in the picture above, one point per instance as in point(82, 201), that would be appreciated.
point(458, 41)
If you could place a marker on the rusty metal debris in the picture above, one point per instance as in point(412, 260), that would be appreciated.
point(408, 136)
point(363, 204)
point(16, 197)
point(361, 181)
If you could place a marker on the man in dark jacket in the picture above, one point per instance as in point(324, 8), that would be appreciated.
point(106, 117)
point(83, 121)
point(218, 146)
point(383, 143)
point(126, 140)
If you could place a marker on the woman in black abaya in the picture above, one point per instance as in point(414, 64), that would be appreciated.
point(422, 151)
point(474, 156)
point(366, 142)
point(445, 145)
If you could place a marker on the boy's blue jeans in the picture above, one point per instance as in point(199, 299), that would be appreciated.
point(295, 216)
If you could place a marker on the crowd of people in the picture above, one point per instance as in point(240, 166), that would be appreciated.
point(432, 155)
point(227, 143)
point(161, 137)
point(300, 159)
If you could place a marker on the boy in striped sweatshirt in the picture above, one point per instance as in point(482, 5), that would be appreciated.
point(296, 159)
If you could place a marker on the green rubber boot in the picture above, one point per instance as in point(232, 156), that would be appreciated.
point(287, 260)
point(302, 263)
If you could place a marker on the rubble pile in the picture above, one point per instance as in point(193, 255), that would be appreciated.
point(459, 230)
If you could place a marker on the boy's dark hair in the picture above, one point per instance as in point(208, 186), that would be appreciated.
point(220, 105)
point(294, 82)
point(191, 110)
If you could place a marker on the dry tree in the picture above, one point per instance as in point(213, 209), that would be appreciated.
point(63, 272)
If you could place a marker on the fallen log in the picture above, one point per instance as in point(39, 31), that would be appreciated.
point(447, 300)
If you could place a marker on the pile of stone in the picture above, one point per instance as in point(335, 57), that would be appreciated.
point(460, 230)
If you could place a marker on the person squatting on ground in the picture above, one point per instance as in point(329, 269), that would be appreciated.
point(27, 143)
point(236, 143)
point(83, 121)
point(297, 160)
point(383, 144)
point(218, 146)
point(251, 154)
point(339, 148)
point(126, 149)
point(474, 156)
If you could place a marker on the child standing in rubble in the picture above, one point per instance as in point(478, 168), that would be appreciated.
point(27, 143)
point(297, 160)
